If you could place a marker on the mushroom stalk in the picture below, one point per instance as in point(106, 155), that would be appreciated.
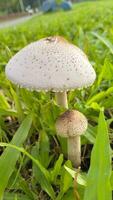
point(74, 150)
point(61, 99)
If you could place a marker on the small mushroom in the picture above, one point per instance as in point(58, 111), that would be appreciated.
point(51, 64)
point(71, 125)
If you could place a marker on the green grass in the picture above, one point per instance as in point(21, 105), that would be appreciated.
point(34, 164)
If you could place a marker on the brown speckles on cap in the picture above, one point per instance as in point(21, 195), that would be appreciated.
point(51, 57)
point(71, 123)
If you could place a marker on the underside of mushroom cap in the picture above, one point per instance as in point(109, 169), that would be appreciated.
point(50, 64)
point(71, 123)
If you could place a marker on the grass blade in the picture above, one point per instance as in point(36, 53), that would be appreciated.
point(3, 102)
point(17, 105)
point(112, 180)
point(8, 112)
point(99, 96)
point(57, 168)
point(104, 41)
point(81, 179)
point(13, 196)
point(98, 181)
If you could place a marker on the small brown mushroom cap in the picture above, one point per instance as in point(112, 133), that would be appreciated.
point(71, 123)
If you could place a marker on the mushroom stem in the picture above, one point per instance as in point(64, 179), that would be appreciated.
point(61, 99)
point(74, 150)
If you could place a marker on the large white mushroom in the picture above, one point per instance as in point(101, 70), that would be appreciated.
point(51, 64)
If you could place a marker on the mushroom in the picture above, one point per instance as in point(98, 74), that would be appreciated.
point(71, 125)
point(51, 64)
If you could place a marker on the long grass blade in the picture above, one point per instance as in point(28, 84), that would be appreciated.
point(98, 180)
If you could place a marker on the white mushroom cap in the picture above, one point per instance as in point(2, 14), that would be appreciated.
point(50, 64)
point(71, 124)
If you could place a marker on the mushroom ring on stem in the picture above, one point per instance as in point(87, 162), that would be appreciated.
point(71, 125)
point(51, 64)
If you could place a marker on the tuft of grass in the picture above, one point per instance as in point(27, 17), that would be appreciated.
point(32, 165)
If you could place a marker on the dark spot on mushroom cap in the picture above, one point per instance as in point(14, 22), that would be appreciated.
point(51, 39)
point(68, 114)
